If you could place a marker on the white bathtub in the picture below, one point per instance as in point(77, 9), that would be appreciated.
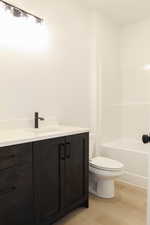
point(134, 155)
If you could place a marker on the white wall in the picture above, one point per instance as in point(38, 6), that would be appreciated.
point(135, 54)
point(55, 82)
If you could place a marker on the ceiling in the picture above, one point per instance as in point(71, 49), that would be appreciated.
point(123, 11)
point(28, 5)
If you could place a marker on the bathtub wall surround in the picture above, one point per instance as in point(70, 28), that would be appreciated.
point(135, 66)
point(124, 102)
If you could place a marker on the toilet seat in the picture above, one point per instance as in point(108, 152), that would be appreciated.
point(106, 164)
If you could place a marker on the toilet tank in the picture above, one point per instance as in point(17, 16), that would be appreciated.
point(91, 145)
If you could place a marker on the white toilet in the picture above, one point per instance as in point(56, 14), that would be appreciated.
point(103, 172)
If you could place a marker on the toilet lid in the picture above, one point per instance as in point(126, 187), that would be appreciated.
point(106, 163)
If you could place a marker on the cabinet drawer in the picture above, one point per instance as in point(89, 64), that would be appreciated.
point(16, 155)
point(7, 157)
point(7, 180)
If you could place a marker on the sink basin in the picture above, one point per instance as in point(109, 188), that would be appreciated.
point(29, 133)
point(14, 134)
point(45, 130)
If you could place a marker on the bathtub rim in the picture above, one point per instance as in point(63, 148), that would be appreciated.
point(114, 146)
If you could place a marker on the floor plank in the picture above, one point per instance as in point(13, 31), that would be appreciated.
point(127, 208)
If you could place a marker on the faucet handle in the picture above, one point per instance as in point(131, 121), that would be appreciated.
point(41, 118)
point(146, 138)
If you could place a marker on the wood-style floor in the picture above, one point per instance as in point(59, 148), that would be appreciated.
point(127, 208)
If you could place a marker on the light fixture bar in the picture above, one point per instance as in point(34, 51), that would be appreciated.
point(17, 9)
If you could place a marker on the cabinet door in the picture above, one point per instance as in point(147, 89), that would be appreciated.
point(76, 169)
point(48, 183)
point(16, 194)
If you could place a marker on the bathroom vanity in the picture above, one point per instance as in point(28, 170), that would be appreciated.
point(44, 177)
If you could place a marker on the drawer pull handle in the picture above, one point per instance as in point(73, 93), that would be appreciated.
point(13, 188)
point(68, 150)
point(62, 151)
point(7, 190)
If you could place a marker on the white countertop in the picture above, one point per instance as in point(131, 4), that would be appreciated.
point(19, 136)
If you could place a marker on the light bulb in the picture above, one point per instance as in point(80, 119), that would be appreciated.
point(2, 7)
point(31, 19)
point(146, 67)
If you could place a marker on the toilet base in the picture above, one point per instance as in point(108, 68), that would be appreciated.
point(103, 188)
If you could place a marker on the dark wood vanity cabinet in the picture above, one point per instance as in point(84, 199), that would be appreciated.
point(42, 181)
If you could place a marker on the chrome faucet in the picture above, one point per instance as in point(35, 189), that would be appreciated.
point(36, 119)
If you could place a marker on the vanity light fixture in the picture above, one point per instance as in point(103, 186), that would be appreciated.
point(146, 67)
point(17, 12)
